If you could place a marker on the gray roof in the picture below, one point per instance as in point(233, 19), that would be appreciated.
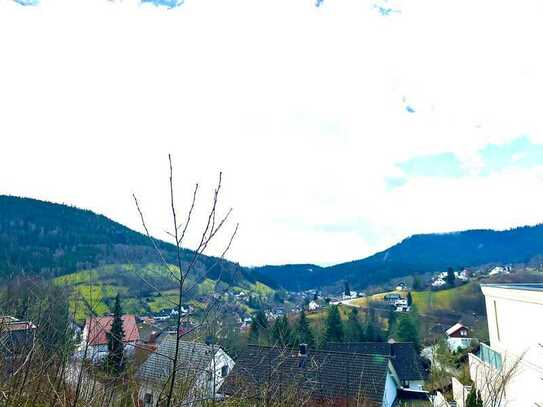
point(403, 355)
point(193, 358)
point(322, 375)
point(520, 286)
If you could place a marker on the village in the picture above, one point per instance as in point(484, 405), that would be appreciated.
point(445, 373)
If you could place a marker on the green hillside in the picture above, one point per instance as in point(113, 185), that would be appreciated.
point(51, 240)
point(143, 289)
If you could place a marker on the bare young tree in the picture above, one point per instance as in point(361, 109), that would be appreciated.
point(493, 381)
point(185, 267)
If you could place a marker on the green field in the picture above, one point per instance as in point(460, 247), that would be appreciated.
point(427, 301)
point(143, 289)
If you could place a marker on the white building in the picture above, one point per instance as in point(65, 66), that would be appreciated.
point(499, 270)
point(515, 325)
point(201, 371)
point(313, 306)
point(458, 337)
point(438, 282)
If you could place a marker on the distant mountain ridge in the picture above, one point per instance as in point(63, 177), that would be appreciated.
point(420, 254)
point(49, 239)
point(38, 237)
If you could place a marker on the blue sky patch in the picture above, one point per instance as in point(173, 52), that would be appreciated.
point(436, 165)
point(395, 182)
point(318, 3)
point(27, 2)
point(165, 3)
point(520, 153)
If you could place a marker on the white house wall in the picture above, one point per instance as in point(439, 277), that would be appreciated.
point(516, 331)
point(391, 390)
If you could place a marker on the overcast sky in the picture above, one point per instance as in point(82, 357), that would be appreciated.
point(340, 129)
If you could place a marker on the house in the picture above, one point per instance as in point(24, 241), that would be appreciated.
point(401, 287)
point(514, 313)
point(313, 306)
point(462, 275)
point(401, 305)
point(438, 282)
point(16, 340)
point(403, 355)
point(94, 339)
point(392, 298)
point(499, 270)
point(458, 337)
point(315, 377)
point(352, 294)
point(201, 370)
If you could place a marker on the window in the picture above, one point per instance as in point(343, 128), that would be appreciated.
point(148, 400)
point(224, 371)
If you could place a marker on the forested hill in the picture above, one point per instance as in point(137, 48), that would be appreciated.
point(420, 254)
point(49, 239)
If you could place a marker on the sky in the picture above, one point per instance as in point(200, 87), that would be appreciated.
point(341, 126)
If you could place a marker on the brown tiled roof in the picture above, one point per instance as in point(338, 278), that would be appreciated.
point(98, 327)
point(322, 375)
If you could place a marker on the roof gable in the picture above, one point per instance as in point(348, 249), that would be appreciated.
point(403, 355)
point(193, 358)
point(455, 328)
point(98, 327)
point(322, 374)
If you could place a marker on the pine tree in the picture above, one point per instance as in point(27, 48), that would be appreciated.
point(303, 331)
point(353, 328)
point(407, 330)
point(259, 328)
point(409, 299)
point(479, 399)
point(334, 326)
point(471, 400)
point(450, 276)
point(373, 332)
point(281, 333)
point(347, 288)
point(115, 345)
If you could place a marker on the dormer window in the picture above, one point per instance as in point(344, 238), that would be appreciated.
point(224, 371)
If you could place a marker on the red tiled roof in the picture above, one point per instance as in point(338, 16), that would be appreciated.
point(98, 327)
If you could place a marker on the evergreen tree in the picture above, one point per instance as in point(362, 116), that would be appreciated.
point(392, 317)
point(353, 328)
point(417, 283)
point(450, 276)
point(479, 399)
point(373, 330)
point(334, 325)
point(347, 288)
point(407, 330)
point(471, 400)
point(259, 328)
point(115, 345)
point(303, 331)
point(281, 333)
point(409, 299)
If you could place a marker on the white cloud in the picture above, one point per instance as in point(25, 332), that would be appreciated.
point(301, 107)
